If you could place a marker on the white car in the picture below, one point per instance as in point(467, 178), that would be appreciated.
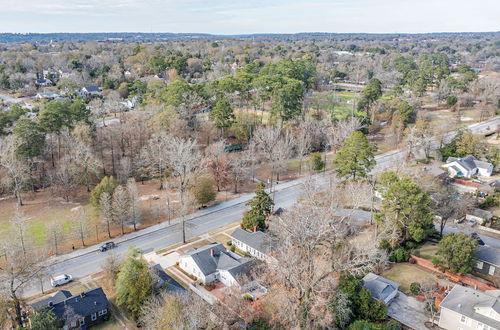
point(61, 280)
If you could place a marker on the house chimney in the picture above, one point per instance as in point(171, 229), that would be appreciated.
point(82, 294)
point(95, 303)
point(212, 252)
point(254, 229)
point(51, 304)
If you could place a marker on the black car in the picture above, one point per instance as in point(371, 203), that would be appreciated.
point(477, 238)
point(107, 246)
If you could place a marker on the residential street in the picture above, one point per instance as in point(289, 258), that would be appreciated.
point(84, 262)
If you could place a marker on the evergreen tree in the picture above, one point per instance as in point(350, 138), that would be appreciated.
point(204, 191)
point(456, 252)
point(107, 184)
point(222, 114)
point(261, 206)
point(355, 159)
point(134, 283)
point(45, 319)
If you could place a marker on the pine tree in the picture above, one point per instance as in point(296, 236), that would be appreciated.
point(261, 206)
point(222, 114)
point(355, 159)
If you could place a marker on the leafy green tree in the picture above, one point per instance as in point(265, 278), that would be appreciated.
point(107, 184)
point(317, 162)
point(456, 252)
point(175, 94)
point(470, 144)
point(45, 319)
point(405, 212)
point(405, 112)
point(222, 114)
point(370, 309)
point(355, 158)
point(393, 325)
point(204, 191)
point(30, 138)
point(451, 101)
point(79, 112)
point(362, 325)
point(287, 98)
point(261, 206)
point(371, 93)
point(133, 284)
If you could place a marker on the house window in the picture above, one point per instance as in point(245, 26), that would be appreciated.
point(463, 319)
point(82, 322)
point(104, 311)
point(94, 316)
point(492, 270)
point(479, 265)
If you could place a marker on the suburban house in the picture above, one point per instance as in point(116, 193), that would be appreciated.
point(380, 287)
point(91, 90)
point(47, 95)
point(165, 281)
point(212, 263)
point(257, 243)
point(466, 309)
point(78, 311)
point(478, 215)
point(43, 82)
point(468, 167)
point(488, 261)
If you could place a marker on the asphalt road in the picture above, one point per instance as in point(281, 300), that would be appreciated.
point(82, 263)
point(10, 99)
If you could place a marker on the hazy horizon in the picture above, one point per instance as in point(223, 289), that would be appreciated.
point(225, 17)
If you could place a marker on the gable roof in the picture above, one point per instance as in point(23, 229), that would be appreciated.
point(469, 162)
point(92, 89)
point(171, 284)
point(92, 301)
point(489, 255)
point(379, 286)
point(220, 260)
point(480, 213)
point(56, 298)
point(464, 301)
point(257, 240)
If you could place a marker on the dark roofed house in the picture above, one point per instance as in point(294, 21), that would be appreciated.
point(213, 262)
point(258, 244)
point(166, 281)
point(79, 311)
point(380, 287)
point(478, 215)
point(488, 261)
point(466, 308)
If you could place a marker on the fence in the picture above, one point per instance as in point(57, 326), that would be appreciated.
point(457, 278)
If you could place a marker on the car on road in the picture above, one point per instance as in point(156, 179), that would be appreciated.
point(61, 280)
point(107, 246)
point(477, 238)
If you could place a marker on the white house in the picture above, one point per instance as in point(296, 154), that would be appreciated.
point(91, 90)
point(212, 263)
point(468, 167)
point(47, 95)
point(257, 243)
point(467, 309)
point(380, 287)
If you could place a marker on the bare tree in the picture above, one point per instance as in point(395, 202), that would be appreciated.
point(135, 208)
point(217, 162)
point(184, 161)
point(64, 181)
point(20, 229)
point(16, 169)
point(156, 154)
point(55, 235)
point(106, 207)
point(304, 140)
point(121, 207)
point(80, 224)
point(86, 163)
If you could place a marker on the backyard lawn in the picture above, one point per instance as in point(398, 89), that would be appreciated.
point(427, 251)
point(405, 274)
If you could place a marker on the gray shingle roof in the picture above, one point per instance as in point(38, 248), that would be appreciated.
point(166, 280)
point(56, 298)
point(379, 286)
point(489, 255)
point(258, 240)
point(92, 89)
point(221, 259)
point(469, 162)
point(464, 301)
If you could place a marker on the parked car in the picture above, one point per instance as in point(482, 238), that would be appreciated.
point(477, 238)
point(61, 280)
point(107, 246)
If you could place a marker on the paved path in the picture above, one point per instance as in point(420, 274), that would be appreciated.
point(9, 99)
point(84, 262)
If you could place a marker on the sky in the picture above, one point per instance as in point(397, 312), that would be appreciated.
point(250, 16)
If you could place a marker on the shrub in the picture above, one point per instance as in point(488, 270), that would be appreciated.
point(229, 243)
point(410, 245)
point(415, 288)
point(232, 248)
point(204, 191)
point(392, 325)
point(399, 255)
point(361, 325)
point(317, 162)
point(384, 244)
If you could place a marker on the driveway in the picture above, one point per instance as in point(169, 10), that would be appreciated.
point(408, 311)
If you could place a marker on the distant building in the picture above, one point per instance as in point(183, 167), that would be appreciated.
point(80, 311)
point(91, 90)
point(213, 262)
point(468, 167)
point(478, 215)
point(468, 309)
point(47, 95)
point(43, 82)
point(380, 287)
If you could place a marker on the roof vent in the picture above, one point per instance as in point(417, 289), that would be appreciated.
point(82, 294)
point(212, 252)
point(95, 303)
point(51, 304)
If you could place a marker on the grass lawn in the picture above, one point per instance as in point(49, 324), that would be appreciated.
point(427, 251)
point(405, 274)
